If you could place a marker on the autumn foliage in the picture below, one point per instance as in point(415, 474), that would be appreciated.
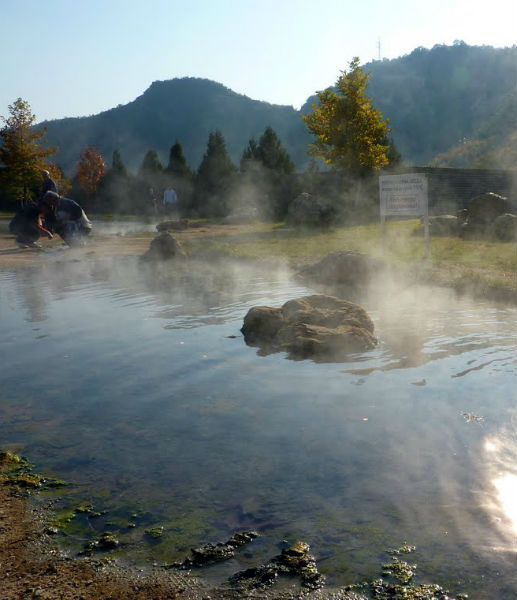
point(90, 170)
point(23, 152)
point(350, 133)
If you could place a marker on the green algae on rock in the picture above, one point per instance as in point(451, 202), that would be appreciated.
point(17, 470)
point(213, 553)
point(294, 561)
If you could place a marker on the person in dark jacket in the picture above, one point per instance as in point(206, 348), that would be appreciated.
point(67, 219)
point(48, 185)
point(27, 225)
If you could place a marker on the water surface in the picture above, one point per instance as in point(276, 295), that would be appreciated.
point(136, 385)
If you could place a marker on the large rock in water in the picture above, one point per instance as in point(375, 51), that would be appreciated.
point(164, 247)
point(319, 327)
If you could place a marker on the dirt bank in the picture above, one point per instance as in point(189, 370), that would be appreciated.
point(32, 566)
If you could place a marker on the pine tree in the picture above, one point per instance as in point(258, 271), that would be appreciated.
point(117, 166)
point(271, 153)
point(151, 165)
point(22, 153)
point(214, 177)
point(249, 155)
point(177, 166)
point(216, 167)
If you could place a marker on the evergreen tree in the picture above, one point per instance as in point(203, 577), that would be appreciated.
point(151, 179)
point(22, 153)
point(271, 153)
point(214, 177)
point(265, 174)
point(249, 154)
point(216, 167)
point(177, 166)
point(151, 166)
point(117, 166)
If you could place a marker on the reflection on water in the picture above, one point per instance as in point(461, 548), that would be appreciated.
point(500, 459)
point(134, 383)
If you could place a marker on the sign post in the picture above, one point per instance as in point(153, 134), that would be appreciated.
point(404, 196)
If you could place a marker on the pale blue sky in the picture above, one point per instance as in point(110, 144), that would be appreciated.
point(80, 57)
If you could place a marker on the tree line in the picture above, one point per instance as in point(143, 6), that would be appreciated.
point(351, 137)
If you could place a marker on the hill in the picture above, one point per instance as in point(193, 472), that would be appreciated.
point(185, 109)
point(448, 106)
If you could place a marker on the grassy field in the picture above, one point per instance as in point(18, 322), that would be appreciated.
point(478, 264)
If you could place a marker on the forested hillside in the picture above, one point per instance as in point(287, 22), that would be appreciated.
point(448, 98)
point(186, 110)
point(447, 106)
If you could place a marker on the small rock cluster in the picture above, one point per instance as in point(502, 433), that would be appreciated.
point(296, 560)
point(487, 215)
point(213, 553)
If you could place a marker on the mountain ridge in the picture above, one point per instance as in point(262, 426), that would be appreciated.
point(436, 100)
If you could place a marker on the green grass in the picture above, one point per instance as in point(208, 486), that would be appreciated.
point(401, 245)
point(478, 264)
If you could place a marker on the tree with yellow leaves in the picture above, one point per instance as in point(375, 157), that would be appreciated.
point(351, 134)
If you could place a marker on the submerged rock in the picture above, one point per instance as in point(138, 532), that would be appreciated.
point(296, 561)
point(317, 326)
point(107, 541)
point(213, 553)
point(164, 247)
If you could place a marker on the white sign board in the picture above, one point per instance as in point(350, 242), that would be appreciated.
point(403, 195)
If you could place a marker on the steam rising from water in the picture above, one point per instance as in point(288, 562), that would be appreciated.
point(383, 436)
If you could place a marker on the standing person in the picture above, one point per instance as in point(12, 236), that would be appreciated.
point(48, 185)
point(28, 225)
point(67, 219)
point(170, 200)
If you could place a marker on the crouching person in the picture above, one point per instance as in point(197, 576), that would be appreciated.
point(28, 227)
point(67, 219)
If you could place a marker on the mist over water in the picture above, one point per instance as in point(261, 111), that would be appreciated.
point(134, 383)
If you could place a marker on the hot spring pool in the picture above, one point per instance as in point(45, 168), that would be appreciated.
point(136, 386)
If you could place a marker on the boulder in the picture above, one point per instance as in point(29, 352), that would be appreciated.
point(344, 268)
point(306, 209)
point(485, 208)
point(164, 247)
point(504, 228)
point(319, 326)
point(444, 225)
